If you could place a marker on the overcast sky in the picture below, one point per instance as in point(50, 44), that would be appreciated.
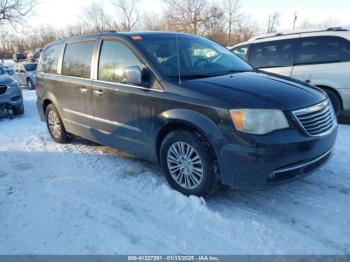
point(59, 13)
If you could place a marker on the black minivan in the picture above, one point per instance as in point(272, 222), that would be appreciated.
point(204, 114)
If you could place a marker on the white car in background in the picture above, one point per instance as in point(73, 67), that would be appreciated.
point(318, 57)
point(25, 74)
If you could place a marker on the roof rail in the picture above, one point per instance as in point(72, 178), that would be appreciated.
point(338, 28)
point(296, 32)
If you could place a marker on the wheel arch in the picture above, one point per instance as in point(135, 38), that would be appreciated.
point(190, 121)
point(334, 90)
point(50, 99)
point(46, 103)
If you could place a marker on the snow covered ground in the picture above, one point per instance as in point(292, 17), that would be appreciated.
point(84, 198)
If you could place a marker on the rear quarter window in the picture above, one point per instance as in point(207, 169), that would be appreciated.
point(77, 59)
point(323, 49)
point(49, 60)
point(272, 54)
point(241, 51)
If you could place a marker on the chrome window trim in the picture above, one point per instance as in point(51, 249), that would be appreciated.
point(46, 74)
point(102, 82)
point(128, 85)
point(76, 77)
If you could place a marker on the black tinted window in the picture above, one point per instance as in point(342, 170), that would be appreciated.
point(77, 59)
point(189, 56)
point(114, 59)
point(326, 49)
point(272, 54)
point(49, 59)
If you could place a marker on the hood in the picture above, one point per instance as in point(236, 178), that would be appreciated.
point(258, 90)
point(6, 79)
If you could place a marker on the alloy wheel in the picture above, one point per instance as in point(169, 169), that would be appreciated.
point(54, 124)
point(185, 165)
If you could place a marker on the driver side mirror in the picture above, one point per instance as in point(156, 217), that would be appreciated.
point(133, 75)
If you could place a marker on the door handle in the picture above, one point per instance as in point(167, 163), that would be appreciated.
point(83, 90)
point(98, 92)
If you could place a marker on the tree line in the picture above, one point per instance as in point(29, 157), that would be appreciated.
point(224, 22)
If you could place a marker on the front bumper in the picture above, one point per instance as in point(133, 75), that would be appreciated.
point(273, 159)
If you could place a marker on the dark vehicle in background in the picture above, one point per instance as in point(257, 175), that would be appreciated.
point(187, 103)
point(10, 95)
point(19, 56)
point(25, 74)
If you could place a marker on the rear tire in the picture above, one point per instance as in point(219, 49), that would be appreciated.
point(188, 164)
point(55, 125)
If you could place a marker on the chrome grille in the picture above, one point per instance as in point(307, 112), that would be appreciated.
point(3, 89)
point(317, 120)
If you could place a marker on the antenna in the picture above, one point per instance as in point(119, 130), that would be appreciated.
point(295, 20)
point(178, 59)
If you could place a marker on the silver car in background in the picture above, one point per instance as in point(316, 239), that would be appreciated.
point(25, 74)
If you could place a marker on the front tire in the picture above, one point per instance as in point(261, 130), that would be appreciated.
point(17, 111)
point(30, 84)
point(55, 125)
point(188, 164)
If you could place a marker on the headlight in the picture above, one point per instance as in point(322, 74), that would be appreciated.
point(258, 121)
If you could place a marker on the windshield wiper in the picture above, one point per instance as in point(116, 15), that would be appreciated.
point(197, 76)
point(194, 76)
point(239, 71)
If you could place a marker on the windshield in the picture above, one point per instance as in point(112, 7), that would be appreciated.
point(30, 67)
point(198, 57)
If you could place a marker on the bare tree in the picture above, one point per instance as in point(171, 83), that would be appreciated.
point(96, 19)
point(273, 22)
point(231, 16)
point(13, 11)
point(191, 16)
point(129, 13)
point(306, 24)
point(246, 29)
point(152, 22)
point(4, 43)
point(214, 21)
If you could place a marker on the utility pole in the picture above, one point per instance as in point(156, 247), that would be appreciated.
point(295, 20)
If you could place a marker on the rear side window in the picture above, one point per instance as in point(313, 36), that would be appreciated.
point(77, 59)
point(272, 54)
point(323, 49)
point(242, 51)
point(115, 57)
point(49, 59)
